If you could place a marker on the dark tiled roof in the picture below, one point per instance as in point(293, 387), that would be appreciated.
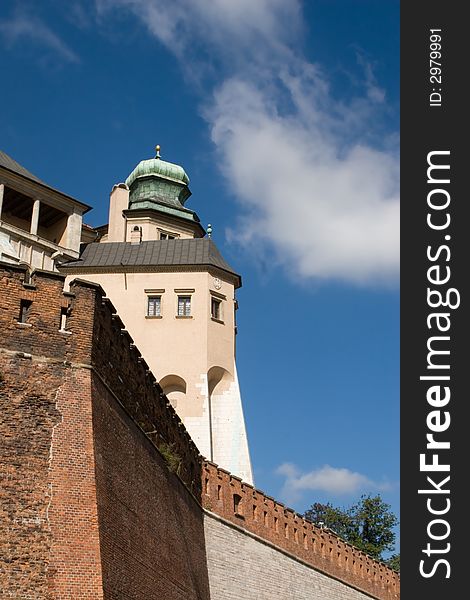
point(197, 251)
point(7, 162)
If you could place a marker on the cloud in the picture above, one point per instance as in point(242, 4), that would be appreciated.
point(328, 209)
point(330, 480)
point(223, 24)
point(316, 182)
point(29, 27)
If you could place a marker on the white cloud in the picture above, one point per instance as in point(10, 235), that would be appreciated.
point(326, 210)
point(330, 480)
point(225, 24)
point(29, 27)
point(318, 190)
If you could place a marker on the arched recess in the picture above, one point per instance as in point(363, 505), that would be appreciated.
point(218, 380)
point(174, 388)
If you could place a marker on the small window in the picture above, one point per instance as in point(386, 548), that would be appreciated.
point(216, 309)
point(154, 306)
point(167, 236)
point(184, 306)
point(25, 306)
point(237, 501)
point(63, 318)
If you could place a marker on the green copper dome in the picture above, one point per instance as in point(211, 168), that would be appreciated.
point(157, 166)
point(155, 182)
point(162, 187)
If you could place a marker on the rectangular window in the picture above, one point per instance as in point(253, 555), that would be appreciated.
point(184, 306)
point(154, 306)
point(216, 309)
point(237, 501)
point(63, 319)
point(25, 306)
point(167, 236)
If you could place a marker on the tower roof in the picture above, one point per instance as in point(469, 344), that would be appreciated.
point(158, 167)
point(161, 186)
point(162, 254)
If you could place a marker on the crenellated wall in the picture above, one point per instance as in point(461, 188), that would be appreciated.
point(253, 511)
point(104, 494)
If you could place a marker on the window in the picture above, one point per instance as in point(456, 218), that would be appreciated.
point(216, 309)
point(25, 305)
point(154, 306)
point(237, 500)
point(184, 306)
point(167, 235)
point(63, 319)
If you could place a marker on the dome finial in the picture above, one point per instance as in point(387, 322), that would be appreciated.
point(157, 150)
point(209, 230)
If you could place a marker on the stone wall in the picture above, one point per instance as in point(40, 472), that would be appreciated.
point(250, 509)
point(242, 566)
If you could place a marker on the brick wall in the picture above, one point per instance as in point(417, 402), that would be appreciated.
point(90, 508)
point(151, 528)
point(47, 490)
point(239, 503)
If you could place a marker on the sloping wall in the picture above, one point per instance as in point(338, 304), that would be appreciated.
point(250, 510)
point(151, 528)
point(243, 566)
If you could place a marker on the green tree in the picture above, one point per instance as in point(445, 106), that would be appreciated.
point(368, 525)
point(394, 562)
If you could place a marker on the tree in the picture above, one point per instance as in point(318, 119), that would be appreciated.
point(368, 525)
point(394, 562)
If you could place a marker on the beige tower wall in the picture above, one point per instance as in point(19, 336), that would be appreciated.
point(193, 357)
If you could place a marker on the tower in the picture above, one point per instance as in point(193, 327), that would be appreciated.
point(176, 295)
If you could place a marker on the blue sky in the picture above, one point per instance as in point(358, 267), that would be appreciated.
point(285, 116)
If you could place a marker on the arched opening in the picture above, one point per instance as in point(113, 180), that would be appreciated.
point(218, 380)
point(174, 388)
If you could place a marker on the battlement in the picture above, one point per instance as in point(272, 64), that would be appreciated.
point(81, 329)
point(243, 505)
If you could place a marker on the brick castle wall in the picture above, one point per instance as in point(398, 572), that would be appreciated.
point(104, 486)
point(90, 508)
point(49, 537)
point(241, 566)
point(250, 509)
